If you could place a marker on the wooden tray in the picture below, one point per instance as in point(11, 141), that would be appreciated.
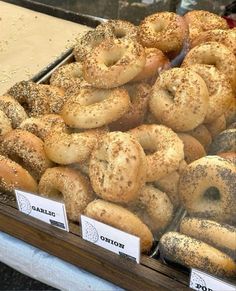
point(149, 275)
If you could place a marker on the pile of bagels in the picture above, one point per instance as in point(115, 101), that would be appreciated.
point(141, 123)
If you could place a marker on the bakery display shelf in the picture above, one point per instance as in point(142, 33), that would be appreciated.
point(150, 274)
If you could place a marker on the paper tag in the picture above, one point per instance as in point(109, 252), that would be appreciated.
point(47, 210)
point(204, 282)
point(110, 238)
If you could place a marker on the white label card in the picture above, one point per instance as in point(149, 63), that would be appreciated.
point(47, 210)
point(110, 238)
point(204, 282)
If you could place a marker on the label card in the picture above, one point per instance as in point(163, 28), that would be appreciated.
point(204, 282)
point(110, 238)
point(47, 210)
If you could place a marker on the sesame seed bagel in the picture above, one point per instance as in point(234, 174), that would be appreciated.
point(207, 188)
point(154, 208)
point(5, 123)
point(13, 176)
point(56, 97)
point(26, 149)
point(194, 253)
point(117, 168)
point(92, 108)
point(221, 236)
point(121, 218)
point(41, 126)
point(164, 149)
point(224, 142)
point(165, 31)
point(193, 149)
point(13, 110)
point(67, 75)
point(219, 35)
point(216, 54)
point(230, 156)
point(199, 21)
point(156, 62)
point(179, 99)
point(30, 95)
point(219, 88)
point(87, 42)
point(119, 29)
point(68, 185)
point(139, 94)
point(113, 63)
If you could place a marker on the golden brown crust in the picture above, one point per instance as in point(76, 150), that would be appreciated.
point(196, 254)
point(31, 96)
point(166, 31)
point(13, 110)
point(92, 108)
point(216, 126)
point(5, 123)
point(113, 63)
point(25, 147)
point(193, 149)
point(139, 94)
point(214, 53)
point(68, 185)
point(164, 149)
point(230, 113)
point(179, 99)
point(207, 188)
point(221, 236)
point(121, 218)
point(118, 167)
point(229, 156)
point(199, 21)
point(202, 134)
point(13, 176)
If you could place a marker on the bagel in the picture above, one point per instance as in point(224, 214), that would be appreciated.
point(219, 35)
point(87, 42)
point(170, 184)
point(113, 63)
point(56, 97)
point(154, 208)
point(13, 176)
point(230, 113)
point(199, 21)
point(155, 63)
point(219, 88)
point(139, 94)
point(229, 156)
point(121, 218)
point(118, 29)
point(216, 126)
point(117, 168)
point(65, 148)
point(26, 149)
point(31, 96)
point(67, 75)
point(5, 123)
point(194, 253)
point(193, 149)
point(161, 160)
point(68, 185)
point(13, 110)
point(221, 236)
point(202, 134)
point(165, 31)
point(179, 92)
point(216, 54)
point(207, 189)
point(41, 126)
point(93, 108)
point(224, 142)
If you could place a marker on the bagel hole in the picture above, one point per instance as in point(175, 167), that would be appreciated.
point(212, 194)
point(158, 27)
point(119, 33)
point(170, 94)
point(113, 57)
